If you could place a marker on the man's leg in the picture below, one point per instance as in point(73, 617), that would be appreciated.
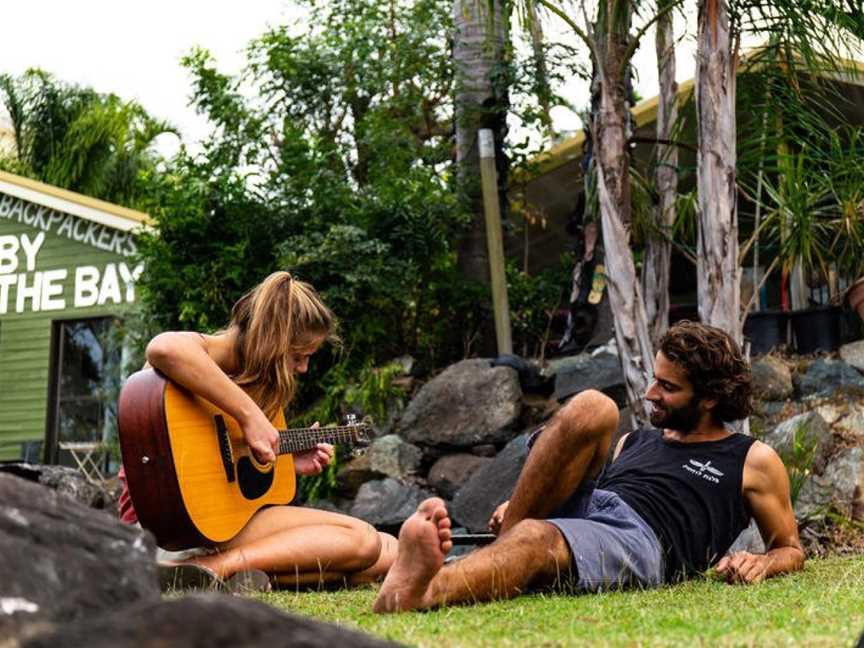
point(529, 552)
point(572, 447)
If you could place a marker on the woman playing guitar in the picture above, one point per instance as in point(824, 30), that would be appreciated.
point(249, 371)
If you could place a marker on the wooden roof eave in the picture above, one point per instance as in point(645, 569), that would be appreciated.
point(70, 202)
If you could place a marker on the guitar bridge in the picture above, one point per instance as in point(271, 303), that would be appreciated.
point(225, 448)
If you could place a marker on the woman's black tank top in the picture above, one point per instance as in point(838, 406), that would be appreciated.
point(688, 493)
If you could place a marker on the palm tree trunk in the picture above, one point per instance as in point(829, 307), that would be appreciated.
point(613, 185)
point(480, 102)
point(655, 269)
point(719, 275)
point(541, 73)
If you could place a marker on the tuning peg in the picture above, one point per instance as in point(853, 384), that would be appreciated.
point(358, 452)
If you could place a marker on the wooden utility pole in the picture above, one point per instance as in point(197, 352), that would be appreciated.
point(494, 240)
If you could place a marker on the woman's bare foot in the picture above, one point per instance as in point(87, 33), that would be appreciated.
point(423, 543)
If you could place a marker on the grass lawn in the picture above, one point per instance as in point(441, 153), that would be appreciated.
point(821, 606)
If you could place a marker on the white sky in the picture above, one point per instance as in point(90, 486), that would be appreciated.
point(133, 49)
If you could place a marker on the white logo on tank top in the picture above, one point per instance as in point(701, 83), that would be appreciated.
point(704, 470)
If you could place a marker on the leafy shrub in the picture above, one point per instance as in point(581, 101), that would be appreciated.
point(798, 459)
point(373, 393)
point(534, 301)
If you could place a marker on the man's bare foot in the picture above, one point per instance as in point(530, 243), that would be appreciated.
point(423, 543)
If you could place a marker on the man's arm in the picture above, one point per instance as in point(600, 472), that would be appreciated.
point(766, 492)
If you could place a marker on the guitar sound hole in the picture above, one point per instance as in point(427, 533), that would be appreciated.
point(253, 483)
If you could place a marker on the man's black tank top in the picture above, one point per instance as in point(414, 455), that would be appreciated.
point(688, 493)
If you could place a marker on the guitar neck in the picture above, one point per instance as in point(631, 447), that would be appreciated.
point(300, 439)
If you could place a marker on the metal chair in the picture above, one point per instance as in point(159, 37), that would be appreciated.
point(88, 455)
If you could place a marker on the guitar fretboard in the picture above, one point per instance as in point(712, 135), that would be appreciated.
point(300, 439)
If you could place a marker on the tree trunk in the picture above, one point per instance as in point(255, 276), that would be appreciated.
point(613, 185)
point(541, 75)
point(718, 273)
point(655, 269)
point(480, 102)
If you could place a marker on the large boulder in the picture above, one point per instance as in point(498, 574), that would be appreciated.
point(841, 486)
point(489, 486)
point(61, 561)
point(825, 377)
point(601, 371)
point(470, 403)
point(62, 479)
point(353, 474)
point(853, 354)
point(846, 418)
point(387, 503)
point(451, 472)
point(805, 438)
point(392, 456)
point(198, 621)
point(772, 379)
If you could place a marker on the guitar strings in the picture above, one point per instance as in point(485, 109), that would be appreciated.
point(307, 438)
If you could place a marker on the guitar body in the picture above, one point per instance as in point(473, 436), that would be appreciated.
point(191, 476)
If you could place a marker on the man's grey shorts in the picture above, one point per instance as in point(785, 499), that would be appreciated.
point(610, 544)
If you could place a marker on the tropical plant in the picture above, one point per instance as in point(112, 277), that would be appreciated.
point(76, 138)
point(811, 39)
point(800, 172)
point(798, 457)
point(534, 303)
point(845, 157)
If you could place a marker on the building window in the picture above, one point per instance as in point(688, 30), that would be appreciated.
point(85, 382)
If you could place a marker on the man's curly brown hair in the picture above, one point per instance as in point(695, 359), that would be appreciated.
point(714, 366)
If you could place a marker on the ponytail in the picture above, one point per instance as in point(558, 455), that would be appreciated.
point(276, 318)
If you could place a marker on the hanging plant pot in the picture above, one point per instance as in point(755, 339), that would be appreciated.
point(766, 330)
point(816, 329)
point(855, 297)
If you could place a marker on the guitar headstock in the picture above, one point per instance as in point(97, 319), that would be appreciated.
point(361, 432)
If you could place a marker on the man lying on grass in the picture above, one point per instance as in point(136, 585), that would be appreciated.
point(668, 507)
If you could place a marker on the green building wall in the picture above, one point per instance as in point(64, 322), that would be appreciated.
point(26, 337)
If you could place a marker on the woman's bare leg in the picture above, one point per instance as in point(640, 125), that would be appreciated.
point(389, 549)
point(294, 540)
point(375, 573)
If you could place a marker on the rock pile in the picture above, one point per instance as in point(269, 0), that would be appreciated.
point(462, 436)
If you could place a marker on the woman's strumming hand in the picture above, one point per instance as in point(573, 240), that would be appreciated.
point(262, 438)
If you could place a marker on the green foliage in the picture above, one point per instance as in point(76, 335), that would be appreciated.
point(372, 394)
point(78, 139)
point(213, 241)
point(801, 164)
point(798, 459)
point(330, 157)
point(533, 302)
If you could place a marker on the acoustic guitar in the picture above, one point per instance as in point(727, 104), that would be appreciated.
point(192, 478)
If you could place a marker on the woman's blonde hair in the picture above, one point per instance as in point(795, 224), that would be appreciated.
point(281, 315)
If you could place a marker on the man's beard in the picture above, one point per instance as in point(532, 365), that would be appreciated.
point(682, 419)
